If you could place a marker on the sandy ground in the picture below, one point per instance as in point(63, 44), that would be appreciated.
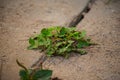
point(102, 62)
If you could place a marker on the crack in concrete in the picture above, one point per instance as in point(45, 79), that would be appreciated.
point(40, 61)
point(78, 18)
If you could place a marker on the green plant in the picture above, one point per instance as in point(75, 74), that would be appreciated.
point(60, 41)
point(34, 74)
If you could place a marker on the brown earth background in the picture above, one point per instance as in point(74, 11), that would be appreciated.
point(21, 19)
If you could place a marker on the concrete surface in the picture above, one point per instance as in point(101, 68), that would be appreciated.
point(20, 19)
point(102, 62)
point(35, 11)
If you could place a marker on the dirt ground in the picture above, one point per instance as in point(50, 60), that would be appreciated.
point(102, 62)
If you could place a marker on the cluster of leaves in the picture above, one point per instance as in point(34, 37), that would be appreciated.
point(34, 74)
point(60, 41)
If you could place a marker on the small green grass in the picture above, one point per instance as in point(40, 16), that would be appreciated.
point(60, 41)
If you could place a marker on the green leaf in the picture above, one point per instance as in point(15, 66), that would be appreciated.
point(59, 44)
point(70, 41)
point(63, 31)
point(64, 49)
point(83, 34)
point(46, 32)
point(50, 50)
point(48, 42)
point(72, 29)
point(34, 46)
point(42, 75)
point(82, 44)
point(24, 75)
point(41, 40)
point(76, 35)
point(31, 41)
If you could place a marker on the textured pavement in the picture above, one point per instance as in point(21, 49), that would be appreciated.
point(21, 19)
